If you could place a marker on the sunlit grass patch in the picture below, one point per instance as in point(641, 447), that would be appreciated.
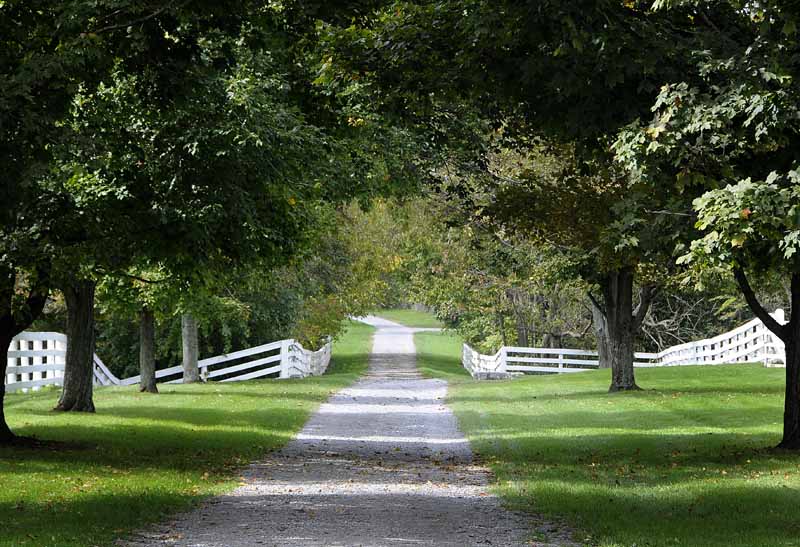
point(143, 456)
point(410, 318)
point(685, 462)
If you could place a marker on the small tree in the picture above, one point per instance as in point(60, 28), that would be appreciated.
point(754, 226)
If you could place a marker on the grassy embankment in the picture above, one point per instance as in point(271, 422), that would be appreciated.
point(686, 462)
point(410, 318)
point(144, 456)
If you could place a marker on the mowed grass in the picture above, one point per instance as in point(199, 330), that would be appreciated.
point(410, 318)
point(144, 456)
point(687, 462)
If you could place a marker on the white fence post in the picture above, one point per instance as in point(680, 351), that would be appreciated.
point(286, 357)
point(60, 359)
point(11, 378)
point(25, 361)
point(37, 361)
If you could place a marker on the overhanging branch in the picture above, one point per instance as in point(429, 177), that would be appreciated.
point(143, 19)
point(597, 304)
point(752, 300)
point(646, 296)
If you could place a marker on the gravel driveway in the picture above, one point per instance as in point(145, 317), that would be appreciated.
point(382, 463)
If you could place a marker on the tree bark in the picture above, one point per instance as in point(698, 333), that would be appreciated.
point(76, 395)
point(601, 333)
point(522, 334)
point(147, 351)
point(8, 330)
point(191, 372)
point(501, 325)
point(791, 404)
point(618, 295)
point(553, 340)
point(14, 321)
point(6, 435)
point(791, 339)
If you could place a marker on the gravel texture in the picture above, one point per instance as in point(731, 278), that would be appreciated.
point(382, 463)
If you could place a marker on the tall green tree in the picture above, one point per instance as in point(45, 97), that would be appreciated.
point(42, 52)
point(731, 132)
point(166, 133)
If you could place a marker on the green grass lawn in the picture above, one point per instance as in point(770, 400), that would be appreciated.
point(410, 318)
point(144, 456)
point(685, 462)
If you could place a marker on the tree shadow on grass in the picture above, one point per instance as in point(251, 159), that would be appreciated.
point(727, 515)
point(291, 389)
point(721, 515)
point(644, 395)
point(86, 519)
point(163, 438)
point(654, 489)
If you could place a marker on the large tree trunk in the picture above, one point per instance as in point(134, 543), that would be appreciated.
point(791, 404)
point(191, 372)
point(147, 351)
point(618, 295)
point(6, 435)
point(790, 334)
point(601, 334)
point(76, 395)
point(14, 321)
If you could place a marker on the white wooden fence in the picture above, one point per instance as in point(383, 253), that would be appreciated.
point(747, 343)
point(37, 359)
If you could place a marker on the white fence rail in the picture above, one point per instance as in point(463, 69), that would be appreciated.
point(747, 343)
point(37, 359)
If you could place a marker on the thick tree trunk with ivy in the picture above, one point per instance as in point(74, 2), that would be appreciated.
point(790, 334)
point(147, 351)
point(15, 318)
point(191, 372)
point(76, 395)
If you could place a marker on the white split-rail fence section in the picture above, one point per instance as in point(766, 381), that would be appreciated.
point(37, 359)
point(751, 342)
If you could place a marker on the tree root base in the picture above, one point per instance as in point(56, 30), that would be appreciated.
point(791, 444)
point(7, 437)
point(33, 443)
point(62, 407)
point(619, 389)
